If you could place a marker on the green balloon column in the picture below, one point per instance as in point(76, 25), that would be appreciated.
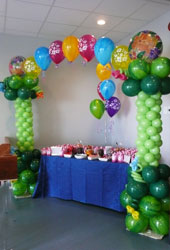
point(22, 88)
point(146, 196)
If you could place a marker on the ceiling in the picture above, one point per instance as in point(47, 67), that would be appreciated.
point(56, 19)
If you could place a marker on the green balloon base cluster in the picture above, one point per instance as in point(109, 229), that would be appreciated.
point(28, 166)
point(150, 198)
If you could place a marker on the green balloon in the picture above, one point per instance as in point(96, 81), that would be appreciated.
point(165, 86)
point(34, 166)
point(143, 109)
point(33, 94)
point(97, 108)
point(156, 138)
point(151, 84)
point(151, 131)
point(36, 153)
point(19, 188)
point(164, 171)
point(159, 189)
point(150, 102)
point(136, 226)
point(21, 166)
point(18, 153)
point(160, 67)
point(24, 93)
point(27, 177)
point(151, 115)
point(139, 103)
point(155, 150)
point(165, 204)
point(143, 136)
point(149, 206)
point(137, 189)
point(157, 123)
point(6, 81)
point(142, 150)
point(150, 174)
point(156, 108)
point(10, 94)
point(145, 123)
point(138, 69)
point(15, 82)
point(131, 87)
point(126, 199)
point(31, 188)
point(142, 96)
point(160, 223)
point(149, 144)
point(30, 82)
point(149, 157)
point(27, 156)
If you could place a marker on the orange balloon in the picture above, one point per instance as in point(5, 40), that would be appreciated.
point(103, 72)
point(70, 48)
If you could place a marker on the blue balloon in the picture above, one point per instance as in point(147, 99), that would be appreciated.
point(42, 58)
point(2, 88)
point(103, 50)
point(107, 89)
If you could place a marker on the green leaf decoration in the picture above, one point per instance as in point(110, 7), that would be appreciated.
point(141, 54)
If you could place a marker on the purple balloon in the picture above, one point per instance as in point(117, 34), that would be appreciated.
point(112, 106)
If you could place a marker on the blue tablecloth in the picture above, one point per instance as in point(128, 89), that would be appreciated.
point(93, 182)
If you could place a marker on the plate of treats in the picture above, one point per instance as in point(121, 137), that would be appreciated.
point(105, 158)
point(93, 157)
point(80, 156)
point(67, 155)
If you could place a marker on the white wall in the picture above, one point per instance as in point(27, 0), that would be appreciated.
point(63, 116)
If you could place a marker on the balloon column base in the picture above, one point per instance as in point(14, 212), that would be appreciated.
point(151, 234)
point(23, 196)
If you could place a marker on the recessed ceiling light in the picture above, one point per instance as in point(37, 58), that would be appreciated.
point(101, 22)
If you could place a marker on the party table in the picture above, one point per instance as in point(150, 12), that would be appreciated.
point(93, 182)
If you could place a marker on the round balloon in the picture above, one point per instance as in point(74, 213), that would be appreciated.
point(120, 57)
point(112, 106)
point(151, 84)
point(24, 93)
point(138, 69)
point(131, 87)
point(34, 166)
point(150, 174)
point(31, 188)
point(98, 91)
point(56, 52)
point(136, 226)
point(70, 48)
point(107, 89)
point(160, 223)
point(15, 82)
point(97, 108)
point(137, 189)
point(149, 206)
point(165, 86)
point(103, 72)
point(160, 67)
point(42, 58)
point(145, 45)
point(165, 204)
point(126, 199)
point(103, 50)
point(31, 68)
point(27, 177)
point(10, 94)
point(19, 188)
point(159, 189)
point(86, 47)
point(16, 65)
point(30, 82)
point(164, 171)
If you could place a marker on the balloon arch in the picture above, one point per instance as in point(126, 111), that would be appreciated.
point(145, 75)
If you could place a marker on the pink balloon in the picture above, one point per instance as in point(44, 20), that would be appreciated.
point(98, 91)
point(56, 52)
point(86, 47)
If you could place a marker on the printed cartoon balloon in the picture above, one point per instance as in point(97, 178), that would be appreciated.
point(16, 65)
point(145, 45)
point(31, 68)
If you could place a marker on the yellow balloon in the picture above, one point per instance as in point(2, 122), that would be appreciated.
point(70, 48)
point(103, 72)
point(120, 57)
point(31, 68)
